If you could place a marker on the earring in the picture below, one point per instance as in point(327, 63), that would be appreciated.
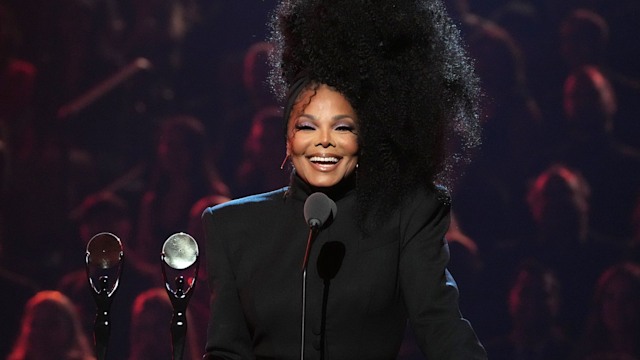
point(284, 161)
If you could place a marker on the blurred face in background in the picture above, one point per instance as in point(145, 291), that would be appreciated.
point(173, 152)
point(534, 300)
point(621, 305)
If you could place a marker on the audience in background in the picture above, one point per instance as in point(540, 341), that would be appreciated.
point(17, 87)
point(562, 84)
point(559, 201)
point(151, 316)
point(19, 290)
point(106, 212)
point(584, 36)
point(51, 330)
point(182, 174)
point(534, 26)
point(17, 136)
point(259, 169)
point(523, 21)
point(622, 18)
point(534, 304)
point(257, 101)
point(512, 126)
point(632, 248)
point(613, 325)
point(621, 65)
point(590, 147)
point(199, 303)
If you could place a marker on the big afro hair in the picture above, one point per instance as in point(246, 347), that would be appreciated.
point(403, 67)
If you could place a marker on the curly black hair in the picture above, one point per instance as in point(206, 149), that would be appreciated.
point(403, 67)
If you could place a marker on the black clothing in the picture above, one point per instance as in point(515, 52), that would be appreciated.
point(255, 247)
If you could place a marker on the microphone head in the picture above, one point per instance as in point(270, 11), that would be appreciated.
point(318, 208)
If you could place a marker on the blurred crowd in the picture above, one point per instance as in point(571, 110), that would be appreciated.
point(133, 116)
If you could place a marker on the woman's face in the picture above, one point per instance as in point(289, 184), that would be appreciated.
point(322, 137)
point(51, 327)
point(620, 309)
point(173, 152)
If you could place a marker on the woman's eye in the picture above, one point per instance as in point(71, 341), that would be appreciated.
point(304, 127)
point(345, 128)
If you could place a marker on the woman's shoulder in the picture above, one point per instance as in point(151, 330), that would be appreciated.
point(431, 196)
point(425, 205)
point(255, 202)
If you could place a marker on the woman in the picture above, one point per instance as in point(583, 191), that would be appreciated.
point(368, 114)
point(256, 172)
point(51, 330)
point(181, 176)
point(613, 325)
point(150, 328)
point(534, 305)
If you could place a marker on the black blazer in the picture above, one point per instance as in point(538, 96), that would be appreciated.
point(255, 246)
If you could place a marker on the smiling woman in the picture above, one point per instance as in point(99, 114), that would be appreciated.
point(369, 112)
point(322, 137)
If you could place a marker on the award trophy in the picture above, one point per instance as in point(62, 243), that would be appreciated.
point(104, 261)
point(180, 260)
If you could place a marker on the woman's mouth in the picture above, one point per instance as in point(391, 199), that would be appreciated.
point(324, 160)
point(324, 163)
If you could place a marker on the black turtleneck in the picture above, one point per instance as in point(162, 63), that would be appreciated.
point(255, 246)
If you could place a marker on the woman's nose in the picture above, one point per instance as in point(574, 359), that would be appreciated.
point(325, 138)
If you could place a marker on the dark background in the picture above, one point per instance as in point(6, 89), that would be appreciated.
point(54, 162)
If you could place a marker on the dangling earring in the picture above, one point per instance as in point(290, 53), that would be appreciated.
point(284, 161)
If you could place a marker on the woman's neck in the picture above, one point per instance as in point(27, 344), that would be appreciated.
point(335, 192)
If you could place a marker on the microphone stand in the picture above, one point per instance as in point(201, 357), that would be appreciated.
point(323, 318)
point(313, 232)
point(318, 208)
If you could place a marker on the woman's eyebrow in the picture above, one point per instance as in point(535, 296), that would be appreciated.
point(343, 116)
point(336, 117)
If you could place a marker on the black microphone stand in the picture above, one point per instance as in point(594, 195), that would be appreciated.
point(318, 208)
point(313, 232)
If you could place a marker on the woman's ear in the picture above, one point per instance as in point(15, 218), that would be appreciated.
point(286, 157)
point(288, 145)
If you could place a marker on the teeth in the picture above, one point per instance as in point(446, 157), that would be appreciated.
point(321, 159)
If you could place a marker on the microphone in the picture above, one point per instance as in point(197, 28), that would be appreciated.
point(318, 209)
